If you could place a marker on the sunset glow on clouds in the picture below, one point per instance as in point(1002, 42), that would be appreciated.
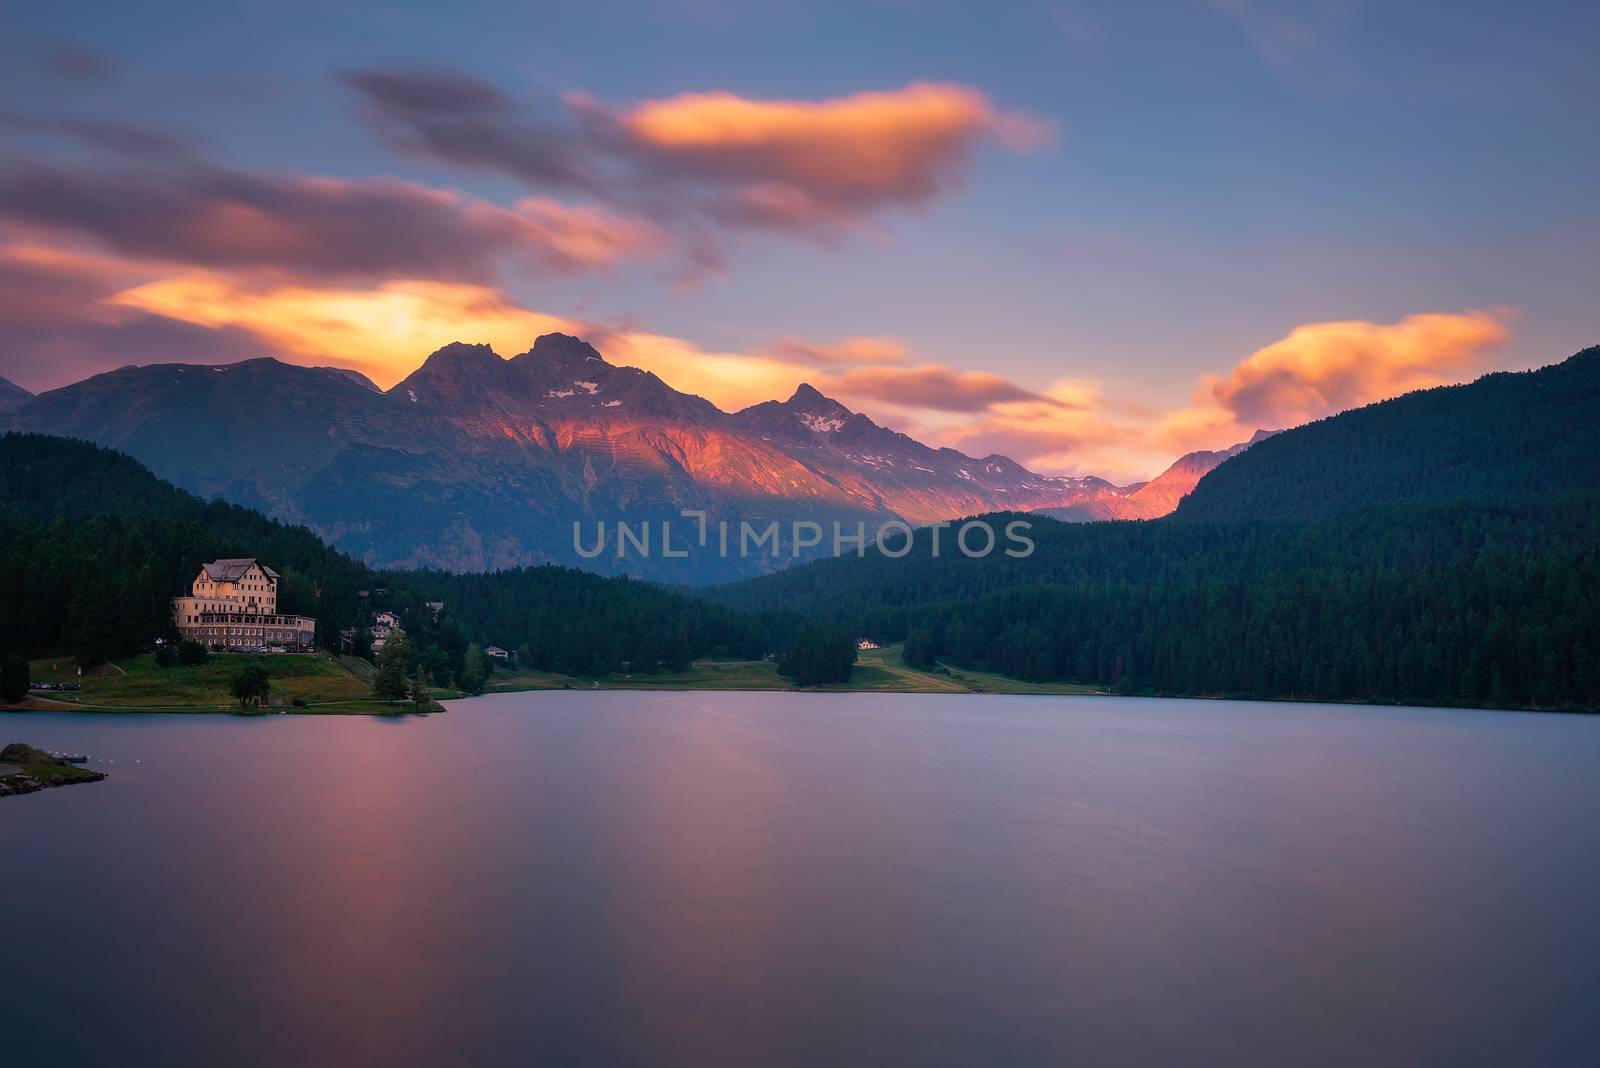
point(1324, 368)
point(785, 162)
point(327, 228)
point(384, 331)
point(810, 168)
point(1069, 426)
point(455, 206)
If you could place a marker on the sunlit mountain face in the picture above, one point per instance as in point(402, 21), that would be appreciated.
point(1089, 237)
point(475, 461)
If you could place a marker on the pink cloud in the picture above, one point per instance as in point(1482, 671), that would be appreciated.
point(811, 167)
point(326, 228)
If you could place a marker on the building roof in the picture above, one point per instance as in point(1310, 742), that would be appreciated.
point(233, 569)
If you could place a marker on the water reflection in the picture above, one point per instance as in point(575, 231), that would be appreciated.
point(710, 879)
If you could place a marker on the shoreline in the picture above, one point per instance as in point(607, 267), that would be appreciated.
point(880, 670)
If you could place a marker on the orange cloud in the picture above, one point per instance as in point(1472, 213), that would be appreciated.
point(1322, 368)
point(1068, 428)
point(385, 330)
point(380, 331)
point(698, 161)
point(846, 350)
point(587, 236)
point(790, 161)
point(1317, 370)
point(68, 308)
point(730, 380)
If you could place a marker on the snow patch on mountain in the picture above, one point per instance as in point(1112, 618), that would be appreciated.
point(820, 424)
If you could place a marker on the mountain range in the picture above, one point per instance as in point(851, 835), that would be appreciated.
point(477, 462)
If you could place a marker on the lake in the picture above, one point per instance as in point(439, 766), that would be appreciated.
point(708, 879)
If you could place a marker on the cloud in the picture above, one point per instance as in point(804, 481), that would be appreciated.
point(1316, 370)
point(460, 119)
point(697, 159)
point(1322, 368)
point(929, 387)
point(325, 228)
point(730, 380)
point(846, 350)
point(385, 330)
point(381, 330)
point(783, 163)
point(429, 91)
point(1069, 428)
point(65, 314)
point(56, 325)
point(109, 135)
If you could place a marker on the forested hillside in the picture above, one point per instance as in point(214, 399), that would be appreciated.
point(93, 547)
point(1457, 603)
point(578, 623)
point(1531, 433)
point(1442, 547)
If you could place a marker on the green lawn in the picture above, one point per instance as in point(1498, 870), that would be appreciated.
point(877, 670)
point(985, 682)
point(45, 772)
point(886, 671)
point(140, 684)
point(702, 675)
point(343, 685)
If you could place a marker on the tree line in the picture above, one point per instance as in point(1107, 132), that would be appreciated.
point(1493, 603)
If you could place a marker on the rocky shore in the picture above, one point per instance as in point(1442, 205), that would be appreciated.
point(26, 770)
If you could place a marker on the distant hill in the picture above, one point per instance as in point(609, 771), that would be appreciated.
point(1520, 434)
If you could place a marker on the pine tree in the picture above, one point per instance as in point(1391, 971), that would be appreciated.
point(474, 670)
point(389, 684)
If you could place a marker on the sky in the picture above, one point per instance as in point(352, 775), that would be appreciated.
point(1091, 236)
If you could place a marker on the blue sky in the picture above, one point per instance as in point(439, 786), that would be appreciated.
point(1220, 174)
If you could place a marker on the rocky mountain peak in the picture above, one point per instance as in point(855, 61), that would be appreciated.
point(562, 349)
point(459, 354)
point(454, 374)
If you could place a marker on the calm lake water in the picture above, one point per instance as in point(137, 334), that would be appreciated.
point(785, 879)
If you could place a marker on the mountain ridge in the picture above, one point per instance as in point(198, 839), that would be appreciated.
point(476, 462)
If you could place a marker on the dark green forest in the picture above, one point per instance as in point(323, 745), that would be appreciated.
point(818, 653)
point(93, 547)
point(574, 622)
point(1442, 547)
point(1494, 603)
